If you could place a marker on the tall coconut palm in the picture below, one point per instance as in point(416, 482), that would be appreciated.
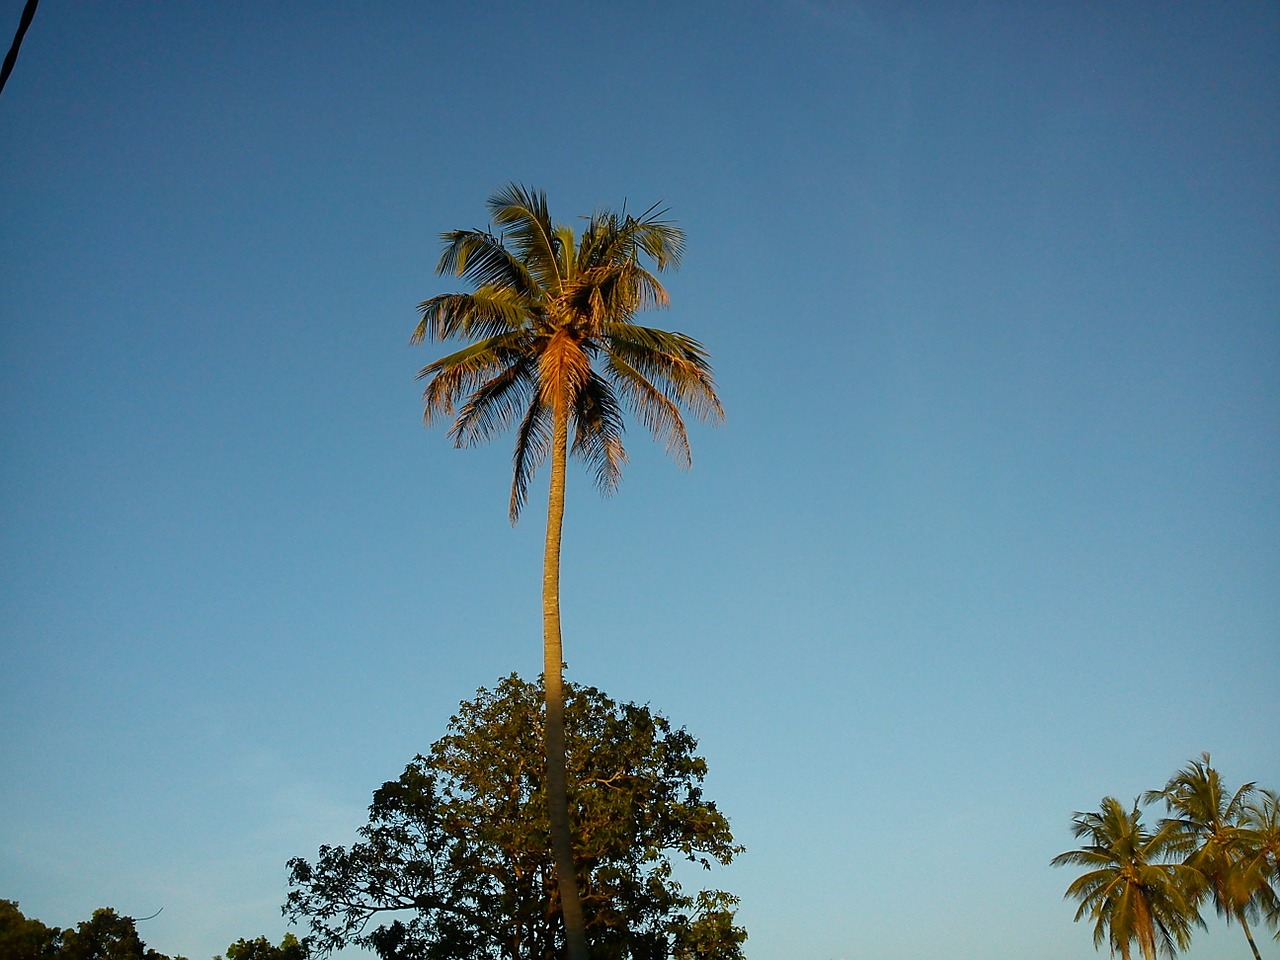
point(1208, 816)
point(1128, 892)
point(554, 349)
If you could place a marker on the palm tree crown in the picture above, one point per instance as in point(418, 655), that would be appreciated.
point(552, 326)
point(1126, 891)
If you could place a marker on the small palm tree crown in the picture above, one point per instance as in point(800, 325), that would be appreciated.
point(1128, 893)
point(553, 338)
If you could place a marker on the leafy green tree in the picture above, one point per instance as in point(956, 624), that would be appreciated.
point(553, 345)
point(454, 863)
point(290, 948)
point(22, 938)
point(1126, 890)
point(106, 936)
point(710, 933)
point(1208, 817)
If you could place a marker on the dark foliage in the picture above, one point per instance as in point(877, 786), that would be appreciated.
point(105, 936)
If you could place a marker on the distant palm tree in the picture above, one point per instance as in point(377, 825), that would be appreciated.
point(555, 350)
point(1126, 890)
point(1208, 817)
point(1259, 875)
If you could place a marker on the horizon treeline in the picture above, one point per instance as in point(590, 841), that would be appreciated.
point(109, 936)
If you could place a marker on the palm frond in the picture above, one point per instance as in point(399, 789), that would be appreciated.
point(460, 373)
point(565, 246)
point(593, 299)
point(659, 414)
point(1086, 857)
point(599, 427)
point(494, 405)
point(679, 364)
point(484, 259)
point(524, 213)
point(616, 237)
point(533, 443)
point(611, 264)
point(626, 288)
point(488, 312)
point(660, 239)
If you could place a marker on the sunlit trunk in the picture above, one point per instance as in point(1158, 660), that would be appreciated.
point(1146, 930)
point(553, 679)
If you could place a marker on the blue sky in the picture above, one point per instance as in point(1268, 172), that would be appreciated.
point(992, 528)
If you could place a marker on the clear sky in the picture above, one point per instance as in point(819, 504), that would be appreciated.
point(992, 528)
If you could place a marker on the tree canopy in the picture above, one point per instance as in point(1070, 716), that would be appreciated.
point(104, 936)
point(454, 862)
point(109, 936)
point(260, 948)
point(25, 938)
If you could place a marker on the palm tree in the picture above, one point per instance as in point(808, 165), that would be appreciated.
point(553, 345)
point(1208, 817)
point(1259, 874)
point(1127, 891)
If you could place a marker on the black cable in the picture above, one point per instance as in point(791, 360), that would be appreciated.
point(11, 58)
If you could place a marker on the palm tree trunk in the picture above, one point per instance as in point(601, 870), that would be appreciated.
point(553, 680)
point(1248, 935)
point(1146, 930)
